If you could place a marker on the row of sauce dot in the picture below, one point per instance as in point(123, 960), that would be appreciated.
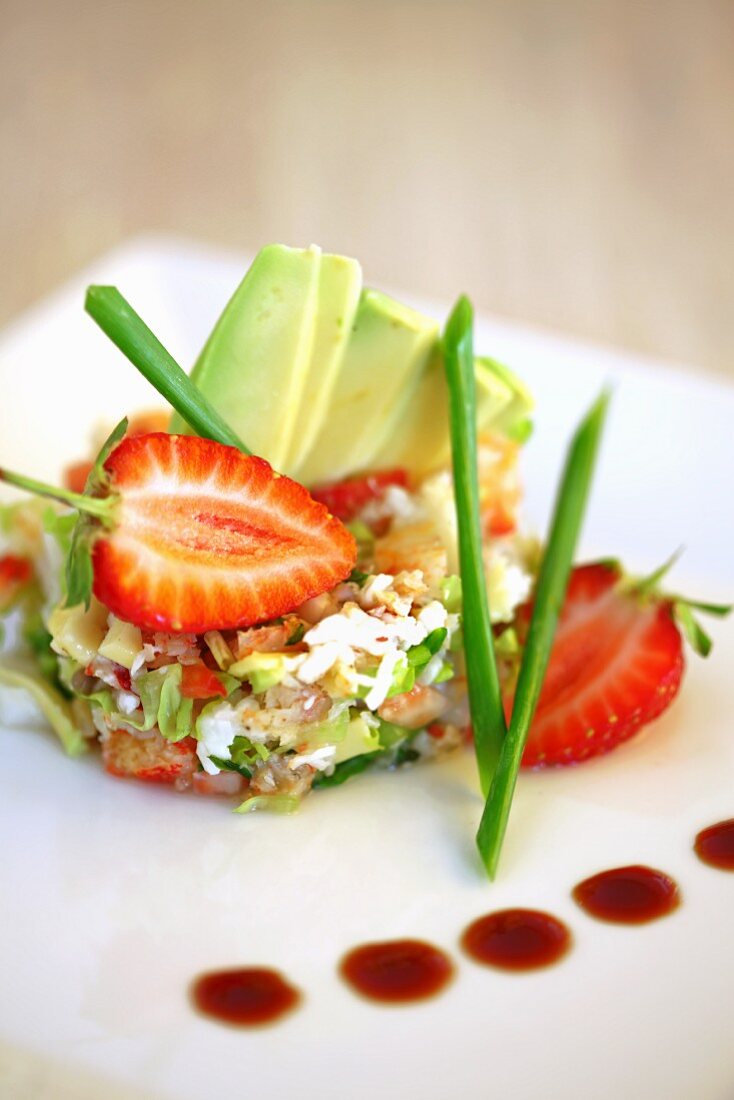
point(401, 971)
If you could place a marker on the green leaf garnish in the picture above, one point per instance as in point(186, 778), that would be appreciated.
point(548, 600)
point(646, 586)
point(116, 317)
point(485, 697)
point(682, 607)
point(297, 635)
point(696, 636)
point(95, 514)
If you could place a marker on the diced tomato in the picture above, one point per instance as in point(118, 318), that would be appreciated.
point(75, 476)
point(15, 572)
point(345, 499)
point(499, 485)
point(199, 682)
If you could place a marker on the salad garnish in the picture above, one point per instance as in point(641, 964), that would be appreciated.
point(485, 698)
point(129, 332)
point(225, 628)
point(551, 587)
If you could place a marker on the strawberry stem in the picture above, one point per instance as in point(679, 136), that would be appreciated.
point(99, 507)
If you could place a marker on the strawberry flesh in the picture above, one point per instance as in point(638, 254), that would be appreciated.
point(615, 665)
point(207, 538)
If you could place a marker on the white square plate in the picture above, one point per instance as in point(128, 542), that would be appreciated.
point(114, 896)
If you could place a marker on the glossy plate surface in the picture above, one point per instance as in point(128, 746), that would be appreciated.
point(114, 896)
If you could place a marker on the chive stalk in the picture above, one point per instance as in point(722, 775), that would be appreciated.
point(118, 320)
point(485, 697)
point(549, 596)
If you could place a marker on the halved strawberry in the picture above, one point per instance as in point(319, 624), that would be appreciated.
point(204, 537)
point(616, 664)
point(345, 499)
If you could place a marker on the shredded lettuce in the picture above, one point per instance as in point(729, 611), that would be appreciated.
point(391, 734)
point(160, 696)
point(275, 803)
point(54, 707)
point(331, 731)
point(403, 677)
point(360, 737)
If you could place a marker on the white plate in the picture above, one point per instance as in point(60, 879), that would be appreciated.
point(114, 896)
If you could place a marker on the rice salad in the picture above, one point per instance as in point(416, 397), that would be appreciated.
point(367, 674)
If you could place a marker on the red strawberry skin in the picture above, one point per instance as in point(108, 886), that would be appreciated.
point(616, 664)
point(207, 538)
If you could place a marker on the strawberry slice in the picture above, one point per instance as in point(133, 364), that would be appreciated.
point(345, 499)
point(202, 537)
point(616, 664)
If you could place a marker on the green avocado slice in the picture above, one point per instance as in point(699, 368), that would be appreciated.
point(389, 348)
point(419, 436)
point(340, 284)
point(254, 365)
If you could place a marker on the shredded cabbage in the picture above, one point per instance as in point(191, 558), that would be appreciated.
point(55, 709)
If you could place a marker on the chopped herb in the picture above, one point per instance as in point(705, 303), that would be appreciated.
point(230, 766)
point(549, 595)
point(358, 577)
point(297, 635)
point(419, 655)
point(348, 768)
point(406, 755)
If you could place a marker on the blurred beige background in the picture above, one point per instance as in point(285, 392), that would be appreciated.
point(567, 163)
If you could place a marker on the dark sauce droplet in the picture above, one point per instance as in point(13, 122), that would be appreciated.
point(516, 939)
point(247, 997)
point(715, 845)
point(628, 895)
point(397, 971)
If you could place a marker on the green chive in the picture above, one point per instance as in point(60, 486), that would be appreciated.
point(485, 697)
point(128, 331)
point(549, 596)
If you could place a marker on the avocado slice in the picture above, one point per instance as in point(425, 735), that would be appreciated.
point(254, 365)
point(389, 348)
point(419, 437)
point(340, 283)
